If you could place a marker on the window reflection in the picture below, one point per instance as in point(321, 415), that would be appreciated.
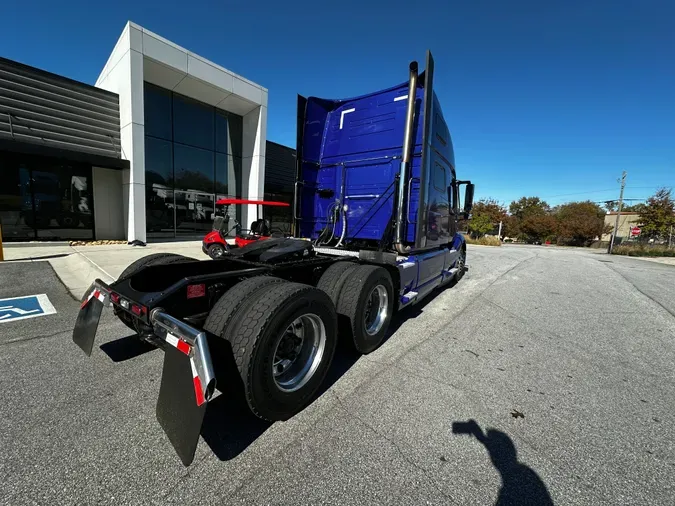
point(45, 198)
point(194, 168)
point(192, 154)
point(227, 169)
point(229, 128)
point(193, 123)
point(157, 105)
point(158, 162)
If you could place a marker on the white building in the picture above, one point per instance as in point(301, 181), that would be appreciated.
point(191, 130)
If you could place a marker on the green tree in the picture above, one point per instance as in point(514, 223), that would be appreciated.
point(512, 227)
point(657, 216)
point(635, 208)
point(579, 223)
point(538, 228)
point(613, 205)
point(528, 206)
point(492, 208)
point(531, 220)
point(479, 225)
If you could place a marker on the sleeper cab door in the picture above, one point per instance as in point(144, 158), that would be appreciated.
point(433, 264)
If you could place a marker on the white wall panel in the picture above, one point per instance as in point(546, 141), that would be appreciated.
point(163, 52)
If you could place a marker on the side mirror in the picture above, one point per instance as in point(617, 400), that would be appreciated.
point(468, 198)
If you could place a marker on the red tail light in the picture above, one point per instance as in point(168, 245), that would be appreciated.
point(115, 297)
point(194, 291)
point(138, 310)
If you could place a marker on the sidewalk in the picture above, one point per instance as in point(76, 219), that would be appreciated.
point(660, 260)
point(79, 266)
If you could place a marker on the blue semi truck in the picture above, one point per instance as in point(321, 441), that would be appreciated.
point(375, 215)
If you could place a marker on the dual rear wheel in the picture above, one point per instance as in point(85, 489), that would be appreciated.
point(283, 335)
point(364, 300)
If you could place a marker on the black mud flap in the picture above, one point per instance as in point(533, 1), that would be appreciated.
point(177, 412)
point(89, 316)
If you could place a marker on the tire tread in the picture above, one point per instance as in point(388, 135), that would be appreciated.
point(225, 310)
point(350, 296)
point(334, 278)
point(261, 309)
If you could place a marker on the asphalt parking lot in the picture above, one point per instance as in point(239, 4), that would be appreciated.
point(564, 359)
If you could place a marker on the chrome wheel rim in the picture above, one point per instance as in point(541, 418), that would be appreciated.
point(298, 352)
point(377, 310)
point(218, 251)
point(460, 263)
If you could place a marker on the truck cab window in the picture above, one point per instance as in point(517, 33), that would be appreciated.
point(439, 178)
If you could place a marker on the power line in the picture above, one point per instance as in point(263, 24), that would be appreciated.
point(597, 191)
point(578, 193)
point(615, 200)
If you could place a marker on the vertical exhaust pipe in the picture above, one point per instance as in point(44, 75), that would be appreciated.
point(404, 174)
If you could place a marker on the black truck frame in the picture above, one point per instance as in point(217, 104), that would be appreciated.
point(167, 300)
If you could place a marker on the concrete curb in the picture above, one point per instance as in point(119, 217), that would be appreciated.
point(36, 244)
point(77, 272)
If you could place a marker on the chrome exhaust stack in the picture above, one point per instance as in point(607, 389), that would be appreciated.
point(404, 173)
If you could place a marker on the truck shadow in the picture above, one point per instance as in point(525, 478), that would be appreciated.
point(520, 483)
point(229, 427)
point(126, 348)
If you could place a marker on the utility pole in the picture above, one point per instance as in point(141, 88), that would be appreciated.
point(670, 240)
point(618, 212)
point(499, 234)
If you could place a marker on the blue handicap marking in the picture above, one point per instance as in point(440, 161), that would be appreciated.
point(20, 308)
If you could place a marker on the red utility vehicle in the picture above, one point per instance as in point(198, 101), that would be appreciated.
point(214, 243)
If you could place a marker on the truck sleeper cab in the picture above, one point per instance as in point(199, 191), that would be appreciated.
point(374, 230)
point(377, 173)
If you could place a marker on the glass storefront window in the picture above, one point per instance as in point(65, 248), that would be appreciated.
point(193, 123)
point(192, 157)
point(157, 105)
point(158, 162)
point(228, 167)
point(45, 198)
point(159, 220)
point(194, 168)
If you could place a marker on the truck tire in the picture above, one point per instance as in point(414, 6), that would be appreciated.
point(283, 342)
point(334, 277)
point(461, 262)
point(365, 306)
point(225, 308)
point(133, 268)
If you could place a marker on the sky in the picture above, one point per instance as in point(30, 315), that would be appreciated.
point(551, 99)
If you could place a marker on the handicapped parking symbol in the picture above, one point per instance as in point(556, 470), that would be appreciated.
point(20, 308)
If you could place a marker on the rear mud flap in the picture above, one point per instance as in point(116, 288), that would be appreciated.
point(89, 316)
point(177, 412)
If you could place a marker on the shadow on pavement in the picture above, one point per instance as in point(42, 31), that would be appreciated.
point(126, 348)
point(229, 427)
point(520, 484)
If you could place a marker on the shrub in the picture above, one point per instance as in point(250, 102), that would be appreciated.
point(487, 240)
point(642, 250)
